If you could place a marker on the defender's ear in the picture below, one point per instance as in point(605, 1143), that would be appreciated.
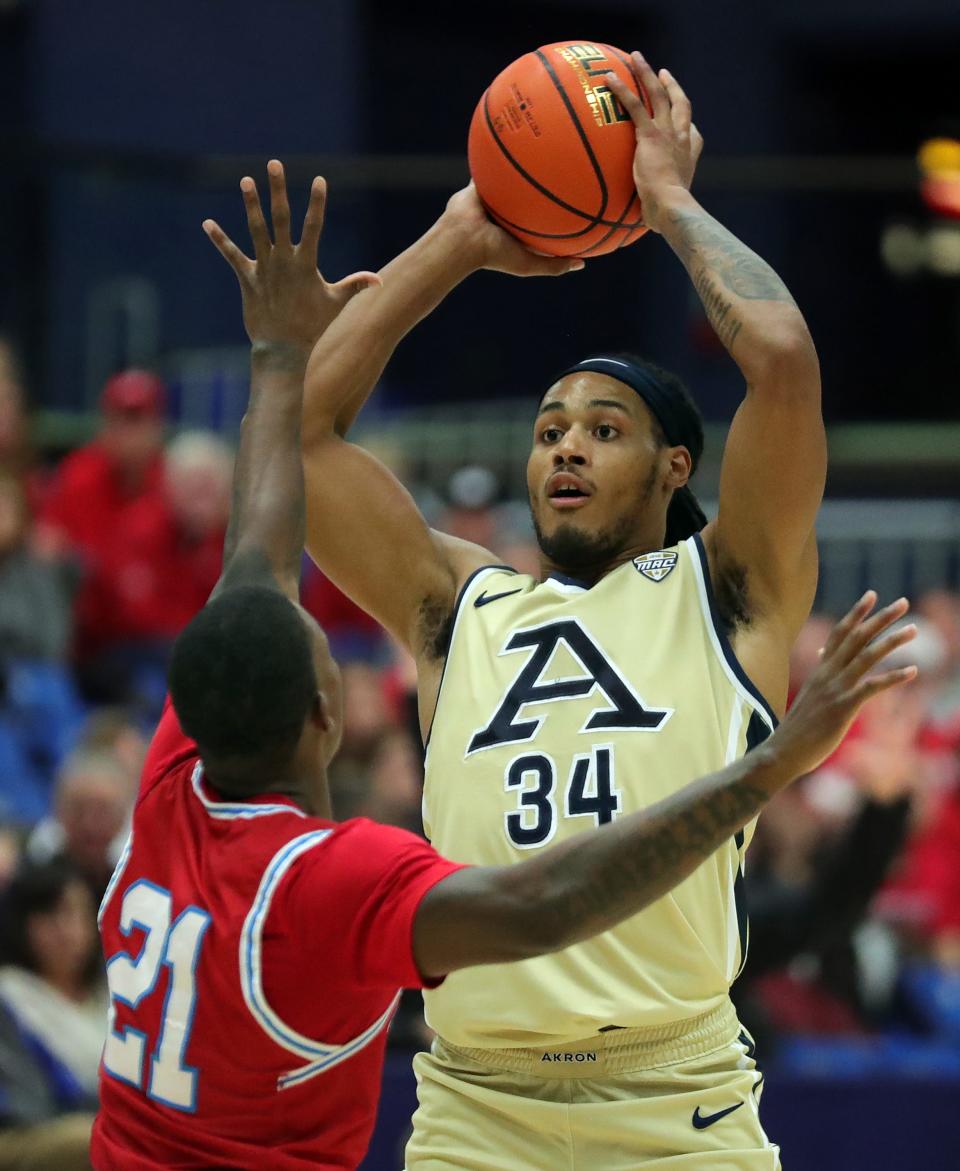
point(319, 713)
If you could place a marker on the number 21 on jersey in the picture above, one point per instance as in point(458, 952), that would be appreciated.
point(132, 979)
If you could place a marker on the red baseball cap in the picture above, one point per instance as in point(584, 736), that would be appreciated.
point(134, 392)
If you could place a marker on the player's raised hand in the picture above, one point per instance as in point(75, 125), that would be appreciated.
point(830, 699)
point(668, 143)
point(492, 247)
point(285, 299)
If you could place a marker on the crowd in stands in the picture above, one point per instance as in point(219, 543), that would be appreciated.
point(853, 876)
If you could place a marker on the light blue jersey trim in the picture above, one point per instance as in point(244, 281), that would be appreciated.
point(115, 877)
point(227, 810)
point(321, 1056)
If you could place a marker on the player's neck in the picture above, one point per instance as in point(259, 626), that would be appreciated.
point(312, 798)
point(590, 573)
point(305, 785)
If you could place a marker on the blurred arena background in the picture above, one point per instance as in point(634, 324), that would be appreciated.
point(122, 126)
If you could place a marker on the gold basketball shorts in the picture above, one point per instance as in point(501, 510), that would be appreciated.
point(680, 1098)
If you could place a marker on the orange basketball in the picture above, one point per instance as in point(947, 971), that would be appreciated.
point(551, 151)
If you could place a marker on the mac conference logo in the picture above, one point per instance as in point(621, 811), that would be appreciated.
point(656, 566)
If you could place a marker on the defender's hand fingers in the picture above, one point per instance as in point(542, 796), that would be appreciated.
point(313, 220)
point(259, 233)
point(631, 102)
point(357, 282)
point(652, 86)
point(241, 264)
point(681, 110)
point(868, 688)
point(279, 205)
point(857, 612)
point(876, 652)
point(863, 634)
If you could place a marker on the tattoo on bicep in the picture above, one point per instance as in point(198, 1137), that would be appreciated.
point(707, 246)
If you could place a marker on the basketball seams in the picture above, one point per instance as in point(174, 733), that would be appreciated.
point(593, 221)
point(581, 133)
point(599, 234)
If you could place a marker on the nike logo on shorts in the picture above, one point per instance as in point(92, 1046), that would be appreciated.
point(702, 1121)
point(485, 599)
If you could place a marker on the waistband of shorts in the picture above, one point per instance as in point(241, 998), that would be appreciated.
point(615, 1050)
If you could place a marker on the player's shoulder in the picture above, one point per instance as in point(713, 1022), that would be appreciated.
point(171, 750)
point(490, 583)
point(358, 848)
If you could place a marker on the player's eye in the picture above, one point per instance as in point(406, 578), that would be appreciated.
point(606, 431)
point(551, 434)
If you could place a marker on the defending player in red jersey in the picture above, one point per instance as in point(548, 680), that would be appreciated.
point(256, 948)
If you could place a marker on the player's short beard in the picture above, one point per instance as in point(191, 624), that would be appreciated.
point(574, 549)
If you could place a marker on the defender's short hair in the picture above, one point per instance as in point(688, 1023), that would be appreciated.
point(242, 677)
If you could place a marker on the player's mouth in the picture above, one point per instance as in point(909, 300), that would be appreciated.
point(566, 491)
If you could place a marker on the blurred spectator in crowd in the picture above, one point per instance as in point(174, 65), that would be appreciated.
point(157, 572)
point(820, 854)
point(472, 492)
point(16, 450)
point(39, 708)
point(353, 634)
point(367, 720)
point(95, 485)
point(941, 609)
point(113, 730)
point(14, 446)
point(92, 803)
point(10, 854)
point(52, 1018)
point(395, 782)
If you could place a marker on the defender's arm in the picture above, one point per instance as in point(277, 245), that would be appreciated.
point(286, 306)
point(592, 882)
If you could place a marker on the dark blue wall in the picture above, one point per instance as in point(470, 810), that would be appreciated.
point(112, 117)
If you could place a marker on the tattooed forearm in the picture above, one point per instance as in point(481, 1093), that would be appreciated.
point(640, 858)
point(719, 308)
point(705, 245)
point(733, 283)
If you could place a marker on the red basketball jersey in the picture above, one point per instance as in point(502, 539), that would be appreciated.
point(255, 957)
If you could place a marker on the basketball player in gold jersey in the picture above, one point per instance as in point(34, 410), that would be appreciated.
point(650, 652)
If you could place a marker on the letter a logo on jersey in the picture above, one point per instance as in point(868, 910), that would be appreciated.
point(622, 711)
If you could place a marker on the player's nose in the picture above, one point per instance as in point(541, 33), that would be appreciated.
point(572, 448)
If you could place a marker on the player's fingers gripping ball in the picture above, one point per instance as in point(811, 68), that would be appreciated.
point(551, 151)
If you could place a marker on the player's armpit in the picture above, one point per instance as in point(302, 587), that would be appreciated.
point(365, 532)
point(771, 486)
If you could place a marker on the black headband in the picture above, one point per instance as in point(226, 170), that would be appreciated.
point(680, 424)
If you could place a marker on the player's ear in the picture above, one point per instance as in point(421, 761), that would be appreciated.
point(679, 468)
point(320, 713)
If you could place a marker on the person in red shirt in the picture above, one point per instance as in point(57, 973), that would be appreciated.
point(97, 483)
point(255, 947)
point(155, 575)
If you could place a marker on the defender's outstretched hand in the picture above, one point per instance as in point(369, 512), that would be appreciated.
point(668, 143)
point(285, 299)
point(833, 695)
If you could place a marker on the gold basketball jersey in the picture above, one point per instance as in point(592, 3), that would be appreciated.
point(562, 708)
